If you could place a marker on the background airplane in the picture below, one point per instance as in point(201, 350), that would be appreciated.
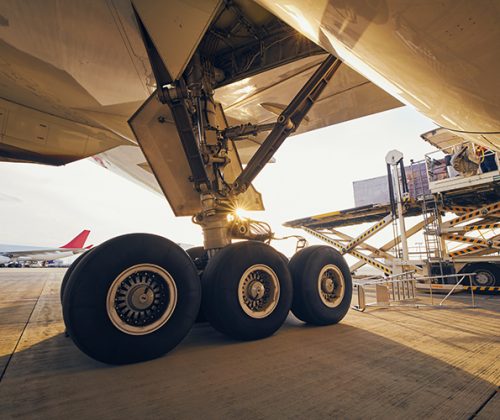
point(25, 253)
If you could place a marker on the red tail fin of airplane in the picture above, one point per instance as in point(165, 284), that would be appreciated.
point(78, 241)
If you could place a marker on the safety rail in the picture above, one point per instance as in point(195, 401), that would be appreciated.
point(400, 289)
point(431, 284)
point(395, 289)
point(477, 160)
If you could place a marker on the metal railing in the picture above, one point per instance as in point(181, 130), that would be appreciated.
point(439, 163)
point(400, 290)
point(389, 291)
point(430, 280)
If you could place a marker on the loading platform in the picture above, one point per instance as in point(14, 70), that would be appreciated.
point(483, 221)
point(458, 222)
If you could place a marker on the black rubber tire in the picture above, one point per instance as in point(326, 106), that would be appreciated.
point(283, 257)
point(220, 290)
point(305, 267)
point(199, 256)
point(488, 269)
point(68, 272)
point(84, 302)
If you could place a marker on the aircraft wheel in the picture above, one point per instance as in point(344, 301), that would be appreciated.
point(68, 272)
point(134, 298)
point(247, 290)
point(322, 285)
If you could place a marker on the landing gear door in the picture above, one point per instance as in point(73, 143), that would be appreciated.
point(157, 136)
point(176, 27)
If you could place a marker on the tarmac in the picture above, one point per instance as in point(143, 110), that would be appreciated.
point(396, 363)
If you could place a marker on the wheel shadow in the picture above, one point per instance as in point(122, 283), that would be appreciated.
point(318, 372)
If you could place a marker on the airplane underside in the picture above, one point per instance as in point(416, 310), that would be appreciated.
point(229, 77)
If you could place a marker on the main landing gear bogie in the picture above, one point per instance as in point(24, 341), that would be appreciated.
point(135, 297)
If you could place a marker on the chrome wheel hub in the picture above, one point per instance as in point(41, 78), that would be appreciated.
point(258, 291)
point(138, 298)
point(331, 285)
point(327, 285)
point(141, 299)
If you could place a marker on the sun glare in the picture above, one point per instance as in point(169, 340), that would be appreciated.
point(242, 213)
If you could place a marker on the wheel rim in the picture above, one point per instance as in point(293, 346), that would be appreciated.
point(141, 299)
point(484, 278)
point(258, 291)
point(331, 285)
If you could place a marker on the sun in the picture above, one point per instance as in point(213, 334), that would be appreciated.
point(242, 213)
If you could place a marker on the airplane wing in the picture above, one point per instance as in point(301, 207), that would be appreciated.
point(69, 85)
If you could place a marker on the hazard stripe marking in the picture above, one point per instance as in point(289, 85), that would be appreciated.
point(483, 288)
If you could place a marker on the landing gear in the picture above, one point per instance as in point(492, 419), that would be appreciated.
point(133, 299)
point(247, 291)
point(322, 285)
point(136, 296)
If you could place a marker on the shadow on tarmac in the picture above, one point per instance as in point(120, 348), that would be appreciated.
point(301, 371)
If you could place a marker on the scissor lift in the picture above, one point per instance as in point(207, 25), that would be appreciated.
point(460, 224)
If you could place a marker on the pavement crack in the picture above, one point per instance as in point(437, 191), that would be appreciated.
point(21, 335)
point(474, 415)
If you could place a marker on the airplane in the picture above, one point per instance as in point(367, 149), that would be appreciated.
point(193, 98)
point(25, 253)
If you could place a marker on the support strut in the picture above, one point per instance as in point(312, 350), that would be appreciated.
point(288, 122)
point(176, 100)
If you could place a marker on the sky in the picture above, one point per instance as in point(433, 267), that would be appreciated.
point(46, 206)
